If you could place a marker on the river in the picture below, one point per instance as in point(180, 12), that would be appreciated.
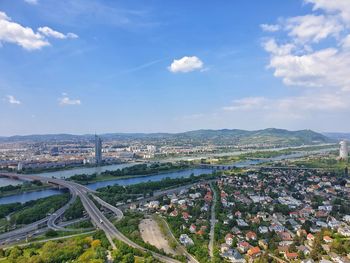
point(71, 172)
point(134, 180)
point(246, 163)
point(24, 197)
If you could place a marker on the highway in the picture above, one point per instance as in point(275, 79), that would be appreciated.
point(24, 230)
point(212, 223)
point(46, 240)
point(51, 222)
point(96, 216)
point(160, 193)
point(18, 235)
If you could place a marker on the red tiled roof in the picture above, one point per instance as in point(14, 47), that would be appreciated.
point(254, 251)
point(292, 255)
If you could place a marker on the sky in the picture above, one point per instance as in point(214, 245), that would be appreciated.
point(86, 66)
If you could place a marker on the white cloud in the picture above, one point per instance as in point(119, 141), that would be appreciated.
point(67, 101)
point(340, 7)
point(72, 35)
point(270, 28)
point(297, 107)
point(315, 51)
point(12, 100)
point(46, 31)
point(248, 103)
point(326, 68)
point(186, 64)
point(346, 42)
point(25, 37)
point(31, 2)
point(313, 27)
point(272, 47)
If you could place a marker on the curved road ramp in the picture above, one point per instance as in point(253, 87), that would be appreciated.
point(96, 216)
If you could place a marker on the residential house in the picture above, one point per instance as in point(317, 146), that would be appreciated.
point(250, 235)
point(254, 252)
point(310, 239)
point(291, 256)
point(186, 240)
point(229, 239)
point(327, 239)
point(233, 256)
point(243, 246)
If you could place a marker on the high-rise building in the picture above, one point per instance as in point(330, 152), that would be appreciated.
point(54, 151)
point(343, 151)
point(20, 166)
point(98, 150)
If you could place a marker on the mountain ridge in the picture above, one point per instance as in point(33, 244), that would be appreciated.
point(221, 136)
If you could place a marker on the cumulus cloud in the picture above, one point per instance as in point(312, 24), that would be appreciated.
point(46, 31)
point(315, 51)
point(270, 28)
point(298, 103)
point(311, 52)
point(297, 107)
point(12, 100)
point(65, 101)
point(346, 42)
point(26, 37)
point(186, 64)
point(15, 33)
point(279, 50)
point(248, 103)
point(338, 7)
point(313, 28)
point(31, 2)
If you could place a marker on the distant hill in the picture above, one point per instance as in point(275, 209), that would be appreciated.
point(266, 136)
point(338, 136)
point(269, 136)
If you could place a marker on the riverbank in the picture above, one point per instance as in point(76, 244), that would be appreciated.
point(104, 178)
point(23, 197)
point(264, 156)
point(27, 190)
point(65, 168)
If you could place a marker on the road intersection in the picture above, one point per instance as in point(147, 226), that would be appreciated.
point(96, 216)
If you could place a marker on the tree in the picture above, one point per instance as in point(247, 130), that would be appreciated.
point(15, 253)
point(51, 233)
point(95, 243)
point(128, 258)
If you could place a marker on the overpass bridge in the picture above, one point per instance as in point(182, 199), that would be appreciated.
point(96, 216)
point(217, 167)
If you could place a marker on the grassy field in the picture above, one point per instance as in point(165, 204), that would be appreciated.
point(325, 162)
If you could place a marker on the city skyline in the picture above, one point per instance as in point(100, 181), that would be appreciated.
point(151, 67)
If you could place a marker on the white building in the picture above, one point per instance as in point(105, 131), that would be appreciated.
point(20, 166)
point(186, 240)
point(343, 151)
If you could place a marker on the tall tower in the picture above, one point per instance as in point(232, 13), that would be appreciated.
point(343, 151)
point(98, 150)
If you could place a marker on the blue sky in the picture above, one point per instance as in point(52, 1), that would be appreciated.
point(86, 66)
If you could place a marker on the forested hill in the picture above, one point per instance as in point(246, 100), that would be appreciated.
point(269, 136)
point(266, 136)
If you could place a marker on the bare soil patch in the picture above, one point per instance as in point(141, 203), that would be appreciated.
point(151, 233)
